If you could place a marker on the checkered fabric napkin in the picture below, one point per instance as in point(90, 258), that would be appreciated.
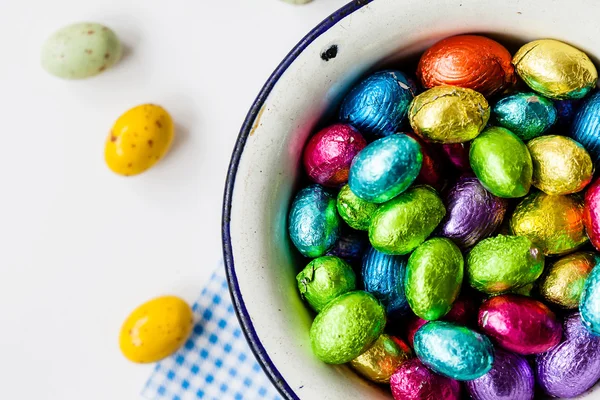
point(216, 362)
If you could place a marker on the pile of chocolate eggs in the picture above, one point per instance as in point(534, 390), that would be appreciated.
point(452, 224)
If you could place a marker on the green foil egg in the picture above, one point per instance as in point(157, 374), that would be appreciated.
point(403, 223)
point(563, 282)
point(503, 263)
point(356, 212)
point(502, 163)
point(346, 327)
point(324, 279)
point(434, 275)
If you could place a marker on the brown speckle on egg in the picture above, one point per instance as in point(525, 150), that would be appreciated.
point(150, 143)
point(90, 32)
point(88, 51)
point(106, 56)
point(158, 123)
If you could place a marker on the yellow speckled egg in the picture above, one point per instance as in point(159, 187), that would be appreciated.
point(156, 329)
point(139, 139)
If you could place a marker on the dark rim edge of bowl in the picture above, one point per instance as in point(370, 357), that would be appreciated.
point(240, 308)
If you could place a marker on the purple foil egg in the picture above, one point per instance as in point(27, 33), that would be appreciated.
point(572, 367)
point(472, 213)
point(350, 247)
point(414, 381)
point(511, 378)
point(458, 155)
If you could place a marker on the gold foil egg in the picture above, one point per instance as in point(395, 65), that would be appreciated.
point(555, 69)
point(382, 359)
point(562, 283)
point(560, 164)
point(449, 114)
point(552, 223)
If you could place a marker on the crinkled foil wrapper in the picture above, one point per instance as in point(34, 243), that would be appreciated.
point(382, 359)
point(562, 282)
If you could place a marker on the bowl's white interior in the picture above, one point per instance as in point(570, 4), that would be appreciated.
point(264, 263)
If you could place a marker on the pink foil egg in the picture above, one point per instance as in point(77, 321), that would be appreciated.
point(329, 153)
point(414, 381)
point(519, 324)
point(458, 155)
point(591, 213)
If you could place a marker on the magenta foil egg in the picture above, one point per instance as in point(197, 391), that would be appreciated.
point(458, 155)
point(329, 153)
point(591, 213)
point(414, 381)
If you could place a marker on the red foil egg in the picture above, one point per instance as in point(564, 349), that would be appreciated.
point(458, 155)
point(591, 213)
point(468, 61)
point(432, 166)
point(414, 381)
point(519, 324)
point(329, 153)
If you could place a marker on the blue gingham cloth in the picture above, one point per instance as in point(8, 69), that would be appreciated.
point(216, 362)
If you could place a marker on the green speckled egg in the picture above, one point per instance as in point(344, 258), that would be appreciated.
point(356, 212)
point(324, 279)
point(434, 275)
point(502, 163)
point(346, 327)
point(81, 50)
point(563, 282)
point(503, 263)
point(403, 223)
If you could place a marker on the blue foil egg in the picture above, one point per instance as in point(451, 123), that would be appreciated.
point(454, 351)
point(383, 277)
point(586, 126)
point(566, 110)
point(385, 168)
point(313, 222)
point(526, 114)
point(350, 246)
point(589, 305)
point(379, 104)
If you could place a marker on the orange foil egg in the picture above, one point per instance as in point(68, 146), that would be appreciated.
point(468, 61)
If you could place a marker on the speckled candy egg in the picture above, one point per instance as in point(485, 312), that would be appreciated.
point(502, 263)
point(454, 351)
point(385, 168)
point(347, 327)
point(81, 50)
point(560, 165)
point(313, 222)
point(555, 69)
point(414, 381)
point(324, 279)
point(139, 139)
point(525, 114)
point(383, 276)
point(590, 302)
point(356, 212)
point(519, 324)
point(502, 163)
point(329, 153)
point(511, 378)
point(562, 282)
point(585, 128)
point(402, 224)
point(449, 114)
point(552, 223)
point(378, 104)
point(572, 367)
point(472, 213)
point(591, 213)
point(434, 275)
point(382, 359)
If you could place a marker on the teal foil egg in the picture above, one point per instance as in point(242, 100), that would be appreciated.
point(385, 168)
point(585, 128)
point(454, 351)
point(526, 114)
point(434, 275)
point(313, 222)
point(590, 302)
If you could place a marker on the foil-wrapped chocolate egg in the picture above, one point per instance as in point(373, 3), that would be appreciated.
point(555, 69)
point(572, 367)
point(449, 114)
point(562, 282)
point(434, 275)
point(350, 246)
point(519, 324)
point(590, 302)
point(472, 213)
point(402, 224)
point(313, 222)
point(591, 213)
point(378, 105)
point(502, 163)
point(560, 164)
point(585, 128)
point(552, 223)
point(458, 155)
point(503, 263)
point(511, 378)
point(329, 153)
point(414, 381)
point(382, 359)
point(566, 111)
point(385, 168)
point(454, 351)
point(383, 277)
point(432, 167)
point(347, 327)
point(324, 279)
point(469, 61)
point(356, 212)
point(525, 114)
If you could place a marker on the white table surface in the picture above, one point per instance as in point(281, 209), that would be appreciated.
point(81, 247)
